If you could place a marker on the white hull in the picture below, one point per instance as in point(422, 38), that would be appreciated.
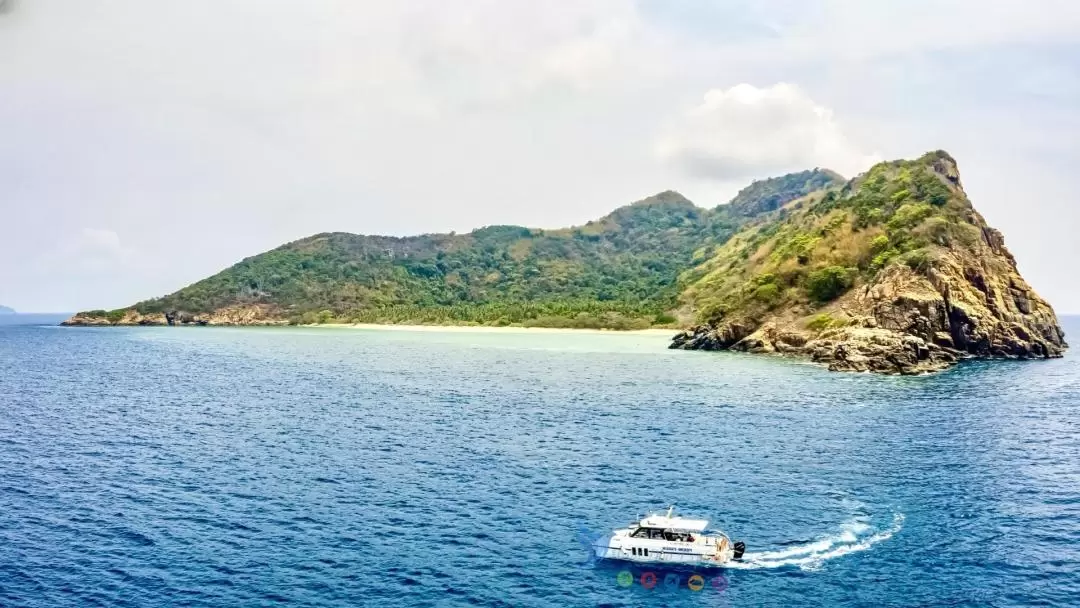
point(663, 539)
point(705, 551)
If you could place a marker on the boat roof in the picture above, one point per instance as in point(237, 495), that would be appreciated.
point(674, 523)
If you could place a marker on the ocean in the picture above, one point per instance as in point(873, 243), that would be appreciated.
point(347, 467)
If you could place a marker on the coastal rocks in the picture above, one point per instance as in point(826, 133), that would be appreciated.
point(235, 315)
point(245, 315)
point(909, 323)
point(858, 349)
point(705, 337)
point(100, 318)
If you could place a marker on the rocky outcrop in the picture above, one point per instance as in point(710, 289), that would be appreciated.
point(233, 315)
point(963, 298)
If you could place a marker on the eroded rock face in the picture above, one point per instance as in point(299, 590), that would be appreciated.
point(907, 323)
point(970, 301)
point(129, 317)
point(236, 315)
point(857, 349)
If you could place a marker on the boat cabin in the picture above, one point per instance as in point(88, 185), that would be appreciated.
point(668, 528)
point(663, 534)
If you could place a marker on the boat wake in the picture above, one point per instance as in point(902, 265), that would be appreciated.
point(854, 535)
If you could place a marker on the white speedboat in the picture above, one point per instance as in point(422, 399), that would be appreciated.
point(669, 540)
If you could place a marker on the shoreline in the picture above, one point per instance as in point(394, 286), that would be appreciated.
point(495, 329)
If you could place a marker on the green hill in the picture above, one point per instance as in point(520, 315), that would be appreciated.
point(620, 271)
point(894, 271)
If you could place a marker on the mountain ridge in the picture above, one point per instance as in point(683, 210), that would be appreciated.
point(892, 271)
point(619, 271)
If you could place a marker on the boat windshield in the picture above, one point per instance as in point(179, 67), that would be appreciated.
point(659, 534)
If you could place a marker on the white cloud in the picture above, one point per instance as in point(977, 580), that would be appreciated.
point(244, 125)
point(92, 250)
point(746, 132)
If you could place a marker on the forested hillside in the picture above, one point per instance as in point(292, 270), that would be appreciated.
point(894, 272)
point(620, 271)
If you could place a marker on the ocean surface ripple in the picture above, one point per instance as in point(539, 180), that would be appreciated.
point(330, 467)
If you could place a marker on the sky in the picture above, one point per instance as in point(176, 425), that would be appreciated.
point(146, 144)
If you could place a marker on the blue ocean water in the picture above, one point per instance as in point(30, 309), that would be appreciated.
point(333, 467)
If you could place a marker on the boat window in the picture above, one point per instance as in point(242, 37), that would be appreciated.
point(641, 533)
point(646, 553)
point(658, 534)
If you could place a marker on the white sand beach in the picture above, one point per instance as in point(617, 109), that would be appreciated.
point(493, 329)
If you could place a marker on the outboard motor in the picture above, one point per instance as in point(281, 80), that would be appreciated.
point(740, 548)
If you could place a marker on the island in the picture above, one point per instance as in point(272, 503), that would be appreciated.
point(893, 271)
point(4, 310)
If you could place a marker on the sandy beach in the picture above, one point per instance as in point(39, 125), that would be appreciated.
point(500, 330)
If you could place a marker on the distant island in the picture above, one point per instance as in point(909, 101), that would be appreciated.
point(4, 310)
point(893, 271)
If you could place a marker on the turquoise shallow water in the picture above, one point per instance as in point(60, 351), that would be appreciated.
point(325, 467)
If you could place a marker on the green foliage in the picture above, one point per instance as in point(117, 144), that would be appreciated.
point(890, 187)
point(928, 187)
point(899, 212)
point(573, 314)
point(798, 246)
point(883, 258)
point(879, 244)
point(771, 194)
point(829, 282)
point(834, 224)
point(767, 294)
point(825, 321)
point(114, 316)
point(919, 260)
point(908, 216)
point(95, 314)
point(626, 263)
point(664, 319)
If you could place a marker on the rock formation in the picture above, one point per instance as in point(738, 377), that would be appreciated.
point(233, 315)
point(894, 273)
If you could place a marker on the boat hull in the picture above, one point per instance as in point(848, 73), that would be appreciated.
point(668, 554)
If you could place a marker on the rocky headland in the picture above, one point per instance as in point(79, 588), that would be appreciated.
point(228, 316)
point(894, 272)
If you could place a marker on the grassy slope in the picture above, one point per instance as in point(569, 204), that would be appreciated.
point(811, 251)
point(620, 271)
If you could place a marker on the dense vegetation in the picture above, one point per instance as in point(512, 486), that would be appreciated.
point(620, 271)
point(815, 250)
point(768, 195)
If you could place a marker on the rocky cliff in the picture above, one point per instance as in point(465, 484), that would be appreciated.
point(233, 315)
point(894, 272)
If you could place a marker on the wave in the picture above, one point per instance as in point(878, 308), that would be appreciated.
point(854, 535)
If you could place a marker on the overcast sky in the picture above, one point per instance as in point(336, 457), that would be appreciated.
point(145, 144)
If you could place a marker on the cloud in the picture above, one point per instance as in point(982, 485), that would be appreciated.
point(92, 251)
point(746, 132)
point(247, 126)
